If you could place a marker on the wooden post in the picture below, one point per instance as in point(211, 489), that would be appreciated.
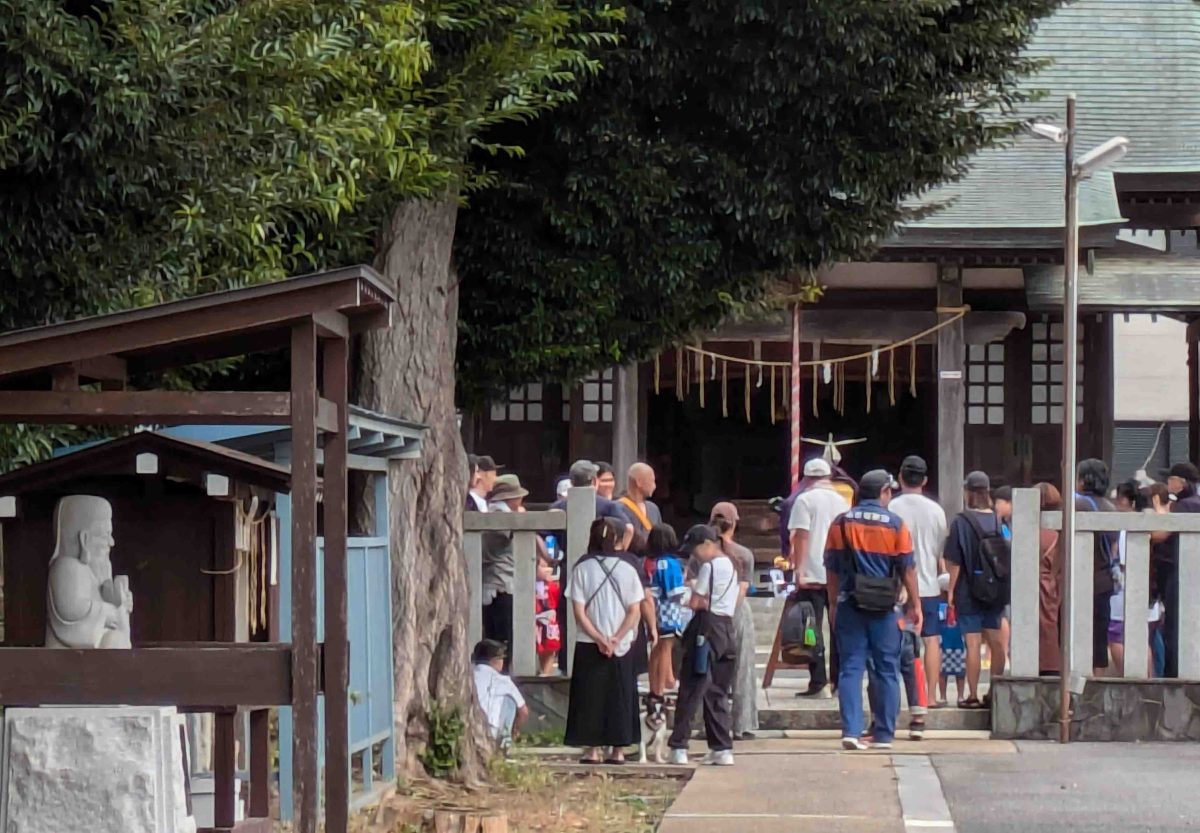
point(1098, 382)
point(1026, 581)
point(1137, 601)
point(951, 387)
point(260, 763)
point(522, 650)
point(625, 439)
point(335, 369)
point(305, 678)
point(581, 511)
point(224, 768)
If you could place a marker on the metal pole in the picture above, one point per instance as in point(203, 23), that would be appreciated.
point(796, 414)
point(1070, 327)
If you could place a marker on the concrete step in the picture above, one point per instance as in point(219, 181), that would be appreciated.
point(957, 720)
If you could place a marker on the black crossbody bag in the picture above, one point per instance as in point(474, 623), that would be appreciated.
point(871, 594)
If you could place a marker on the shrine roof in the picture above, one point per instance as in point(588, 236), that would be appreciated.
point(1132, 65)
point(173, 456)
point(218, 325)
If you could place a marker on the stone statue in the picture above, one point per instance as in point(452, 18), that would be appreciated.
point(86, 607)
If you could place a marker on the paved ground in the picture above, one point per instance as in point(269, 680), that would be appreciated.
point(968, 786)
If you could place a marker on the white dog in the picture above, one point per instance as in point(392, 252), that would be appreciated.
point(654, 730)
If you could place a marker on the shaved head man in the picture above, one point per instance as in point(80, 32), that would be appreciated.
point(640, 484)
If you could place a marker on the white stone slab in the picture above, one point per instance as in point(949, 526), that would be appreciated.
point(100, 770)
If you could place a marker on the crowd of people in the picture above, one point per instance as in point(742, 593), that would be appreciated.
point(913, 598)
point(645, 603)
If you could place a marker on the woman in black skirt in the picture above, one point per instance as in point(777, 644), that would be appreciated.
point(607, 595)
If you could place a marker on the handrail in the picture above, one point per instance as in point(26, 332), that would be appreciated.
point(1125, 522)
point(550, 520)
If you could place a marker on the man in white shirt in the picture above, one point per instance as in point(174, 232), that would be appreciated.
point(812, 514)
point(926, 522)
point(498, 695)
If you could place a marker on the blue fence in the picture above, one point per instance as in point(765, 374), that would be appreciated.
point(369, 586)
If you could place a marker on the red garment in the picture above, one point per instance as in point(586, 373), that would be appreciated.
point(549, 635)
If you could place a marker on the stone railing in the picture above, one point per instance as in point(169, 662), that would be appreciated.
point(524, 527)
point(1028, 520)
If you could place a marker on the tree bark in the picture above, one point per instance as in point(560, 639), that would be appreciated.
point(407, 370)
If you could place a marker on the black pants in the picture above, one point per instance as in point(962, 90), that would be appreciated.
point(714, 690)
point(1168, 588)
point(1101, 613)
point(498, 623)
point(819, 599)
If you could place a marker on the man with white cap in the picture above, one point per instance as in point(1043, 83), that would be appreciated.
point(812, 514)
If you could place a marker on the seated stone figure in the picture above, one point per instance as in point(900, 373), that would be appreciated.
point(86, 607)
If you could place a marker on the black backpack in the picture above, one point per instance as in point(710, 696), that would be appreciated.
point(988, 581)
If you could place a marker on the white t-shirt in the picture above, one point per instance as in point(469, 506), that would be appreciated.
point(480, 503)
point(611, 596)
point(926, 522)
point(723, 576)
point(815, 511)
point(493, 688)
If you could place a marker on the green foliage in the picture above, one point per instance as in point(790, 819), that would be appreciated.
point(153, 149)
point(727, 144)
point(442, 754)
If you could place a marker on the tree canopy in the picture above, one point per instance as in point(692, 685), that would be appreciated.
point(152, 149)
point(725, 143)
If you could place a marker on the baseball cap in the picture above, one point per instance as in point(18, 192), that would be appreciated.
point(874, 482)
point(817, 467)
point(1185, 470)
point(583, 473)
point(978, 480)
point(485, 463)
point(915, 464)
point(562, 487)
point(696, 536)
point(487, 650)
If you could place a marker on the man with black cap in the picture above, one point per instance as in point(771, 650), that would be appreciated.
point(709, 650)
point(483, 480)
point(869, 556)
point(926, 522)
point(1183, 482)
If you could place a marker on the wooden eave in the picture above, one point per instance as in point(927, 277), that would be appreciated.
point(214, 326)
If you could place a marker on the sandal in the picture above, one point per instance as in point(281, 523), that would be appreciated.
point(970, 704)
point(590, 761)
point(614, 761)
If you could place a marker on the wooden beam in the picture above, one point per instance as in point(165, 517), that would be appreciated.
point(327, 416)
point(64, 377)
point(136, 407)
point(332, 325)
point(102, 369)
point(335, 370)
point(208, 676)
point(951, 388)
point(551, 519)
point(305, 669)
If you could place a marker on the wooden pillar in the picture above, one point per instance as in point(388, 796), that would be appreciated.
point(224, 768)
point(1193, 391)
point(305, 679)
point(260, 764)
point(625, 438)
point(334, 372)
point(1099, 406)
point(951, 391)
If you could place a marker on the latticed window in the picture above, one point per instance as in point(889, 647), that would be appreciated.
point(524, 404)
point(1047, 374)
point(985, 384)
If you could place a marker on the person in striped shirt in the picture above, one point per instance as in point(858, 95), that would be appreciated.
point(869, 556)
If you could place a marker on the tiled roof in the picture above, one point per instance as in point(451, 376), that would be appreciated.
point(1133, 66)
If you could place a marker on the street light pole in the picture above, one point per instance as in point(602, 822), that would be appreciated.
point(1070, 404)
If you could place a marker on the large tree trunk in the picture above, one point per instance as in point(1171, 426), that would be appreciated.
point(408, 371)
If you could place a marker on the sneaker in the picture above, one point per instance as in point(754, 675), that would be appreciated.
point(679, 757)
point(721, 758)
point(916, 730)
point(881, 744)
point(821, 693)
point(854, 745)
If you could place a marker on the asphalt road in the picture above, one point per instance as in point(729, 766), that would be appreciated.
point(1045, 788)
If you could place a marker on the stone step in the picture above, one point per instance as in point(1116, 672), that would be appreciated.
point(816, 719)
